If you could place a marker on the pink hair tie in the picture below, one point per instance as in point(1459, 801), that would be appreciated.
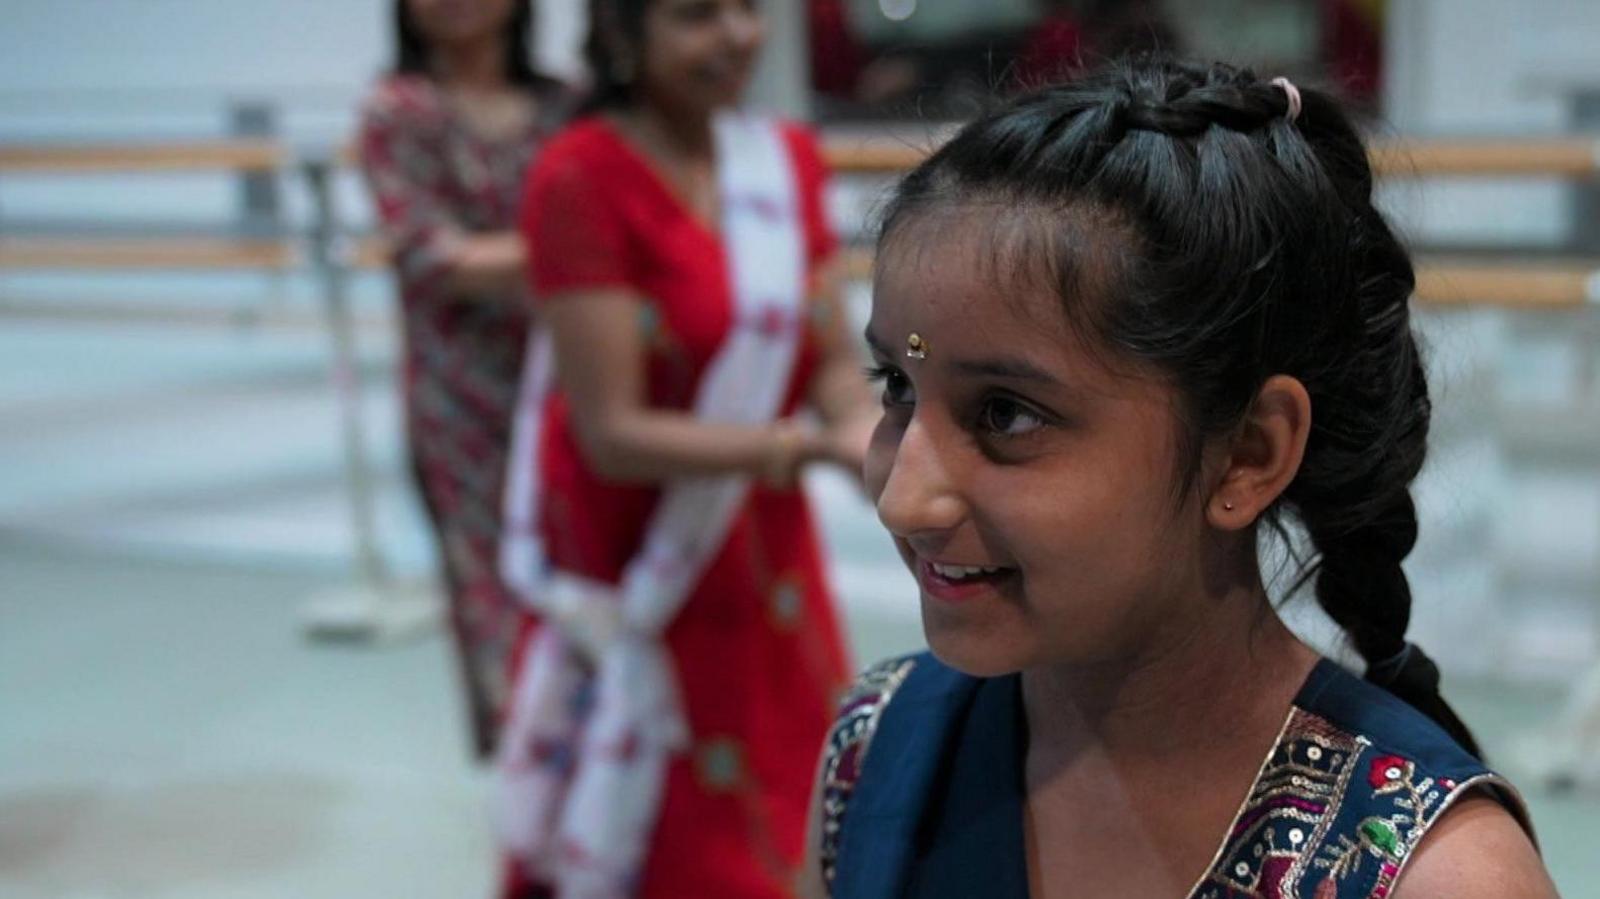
point(1292, 93)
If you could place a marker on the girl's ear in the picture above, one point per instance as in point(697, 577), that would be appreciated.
point(1264, 455)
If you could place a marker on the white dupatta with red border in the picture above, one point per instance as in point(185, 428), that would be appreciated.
point(595, 715)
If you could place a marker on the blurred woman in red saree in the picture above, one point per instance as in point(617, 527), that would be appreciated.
point(671, 702)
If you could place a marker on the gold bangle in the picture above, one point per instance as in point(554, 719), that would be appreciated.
point(785, 449)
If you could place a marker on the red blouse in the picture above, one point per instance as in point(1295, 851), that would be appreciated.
point(597, 215)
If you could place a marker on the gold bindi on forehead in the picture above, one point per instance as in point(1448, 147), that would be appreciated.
point(916, 347)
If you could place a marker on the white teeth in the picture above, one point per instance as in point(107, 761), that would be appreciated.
point(960, 572)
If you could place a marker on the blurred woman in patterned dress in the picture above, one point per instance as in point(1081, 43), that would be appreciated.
point(445, 138)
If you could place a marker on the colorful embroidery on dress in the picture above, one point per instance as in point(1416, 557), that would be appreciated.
point(1282, 841)
point(1294, 801)
point(1386, 839)
point(846, 749)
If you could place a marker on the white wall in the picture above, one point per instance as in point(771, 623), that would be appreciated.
point(129, 68)
point(172, 69)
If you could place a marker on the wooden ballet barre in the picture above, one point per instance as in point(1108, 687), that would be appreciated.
point(236, 156)
point(1567, 157)
point(1556, 157)
point(202, 253)
point(368, 253)
point(1445, 282)
point(872, 156)
point(199, 253)
point(1441, 281)
point(1508, 285)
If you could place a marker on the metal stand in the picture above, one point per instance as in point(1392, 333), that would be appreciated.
point(1566, 755)
point(374, 609)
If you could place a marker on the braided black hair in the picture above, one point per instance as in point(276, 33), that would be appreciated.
point(1251, 248)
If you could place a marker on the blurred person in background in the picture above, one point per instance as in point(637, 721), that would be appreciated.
point(445, 139)
point(681, 675)
point(837, 54)
point(1075, 35)
point(845, 73)
point(1055, 48)
point(1352, 48)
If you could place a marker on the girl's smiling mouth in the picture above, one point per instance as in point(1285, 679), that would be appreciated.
point(961, 583)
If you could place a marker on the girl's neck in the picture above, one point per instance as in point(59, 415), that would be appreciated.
point(1234, 667)
point(473, 66)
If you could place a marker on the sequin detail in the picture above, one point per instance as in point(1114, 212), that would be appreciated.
point(846, 749)
point(1282, 843)
point(1296, 797)
point(1406, 803)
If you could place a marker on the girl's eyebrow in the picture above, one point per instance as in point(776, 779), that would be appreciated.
point(1011, 369)
point(1008, 368)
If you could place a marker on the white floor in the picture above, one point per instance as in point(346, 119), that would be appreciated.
point(169, 734)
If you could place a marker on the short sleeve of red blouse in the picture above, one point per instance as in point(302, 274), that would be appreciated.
point(575, 218)
point(573, 226)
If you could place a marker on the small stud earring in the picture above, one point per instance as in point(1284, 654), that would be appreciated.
point(1227, 506)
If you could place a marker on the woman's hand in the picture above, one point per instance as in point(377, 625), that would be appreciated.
point(795, 444)
point(600, 363)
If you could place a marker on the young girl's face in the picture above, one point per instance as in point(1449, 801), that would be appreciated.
point(1030, 487)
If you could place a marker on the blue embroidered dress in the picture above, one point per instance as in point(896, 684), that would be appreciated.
point(923, 795)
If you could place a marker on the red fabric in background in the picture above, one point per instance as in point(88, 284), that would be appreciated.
point(1052, 52)
point(1353, 47)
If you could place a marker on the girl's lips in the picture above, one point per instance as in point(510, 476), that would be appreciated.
point(964, 590)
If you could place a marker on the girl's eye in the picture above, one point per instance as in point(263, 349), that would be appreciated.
point(896, 386)
point(1008, 418)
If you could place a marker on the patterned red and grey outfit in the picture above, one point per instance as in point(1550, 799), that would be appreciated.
point(433, 181)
